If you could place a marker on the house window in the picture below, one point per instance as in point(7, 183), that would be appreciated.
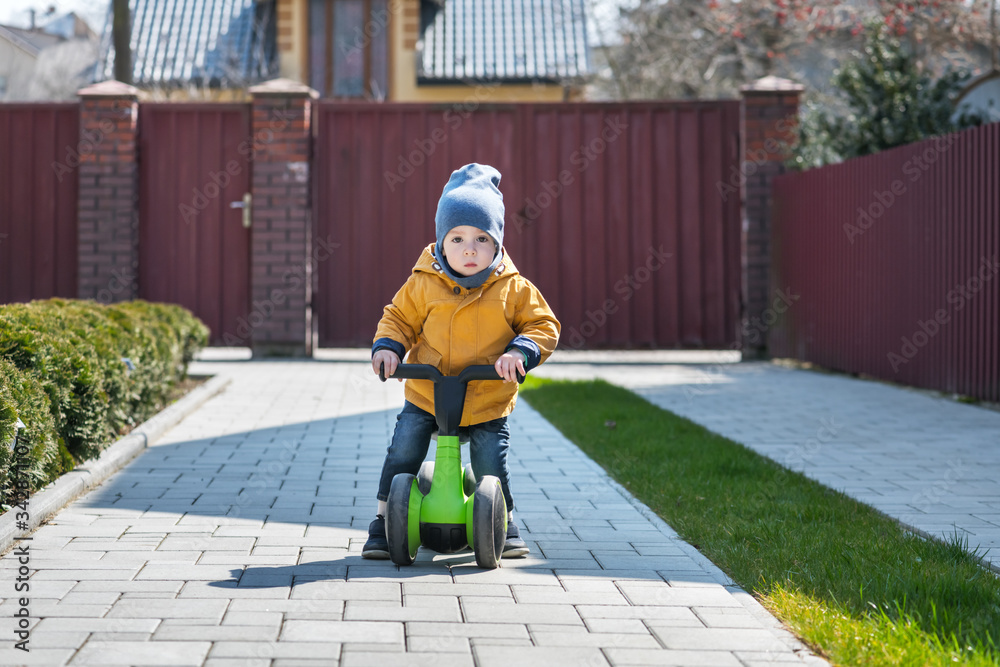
point(348, 50)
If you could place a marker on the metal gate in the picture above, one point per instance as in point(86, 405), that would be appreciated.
point(194, 164)
point(616, 211)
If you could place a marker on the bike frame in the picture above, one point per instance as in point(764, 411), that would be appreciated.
point(446, 501)
point(446, 504)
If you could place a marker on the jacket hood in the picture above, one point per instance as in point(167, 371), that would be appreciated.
point(427, 263)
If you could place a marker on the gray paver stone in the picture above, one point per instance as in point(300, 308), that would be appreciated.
point(667, 658)
point(549, 595)
point(368, 611)
point(176, 632)
point(168, 654)
point(594, 640)
point(487, 612)
point(153, 608)
point(537, 656)
point(319, 650)
point(501, 631)
point(435, 644)
point(729, 639)
point(343, 631)
point(35, 656)
point(370, 659)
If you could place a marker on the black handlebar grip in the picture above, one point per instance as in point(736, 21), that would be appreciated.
point(412, 372)
point(484, 372)
point(428, 372)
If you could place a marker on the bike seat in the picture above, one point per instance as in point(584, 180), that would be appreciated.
point(463, 435)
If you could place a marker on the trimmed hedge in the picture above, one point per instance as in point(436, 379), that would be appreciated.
point(63, 372)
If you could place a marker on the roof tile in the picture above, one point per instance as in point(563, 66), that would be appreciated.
point(225, 43)
point(503, 40)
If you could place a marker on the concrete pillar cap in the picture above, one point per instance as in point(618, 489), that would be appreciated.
point(772, 84)
point(282, 88)
point(109, 88)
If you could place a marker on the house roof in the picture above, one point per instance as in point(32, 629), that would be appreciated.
point(981, 96)
point(502, 41)
point(31, 41)
point(978, 81)
point(225, 43)
point(69, 26)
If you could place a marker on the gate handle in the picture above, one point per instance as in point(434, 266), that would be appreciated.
point(246, 205)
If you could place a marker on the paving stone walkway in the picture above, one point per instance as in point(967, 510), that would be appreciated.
point(236, 540)
point(928, 461)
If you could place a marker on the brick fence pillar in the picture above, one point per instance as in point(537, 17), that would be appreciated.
point(281, 257)
point(768, 119)
point(108, 239)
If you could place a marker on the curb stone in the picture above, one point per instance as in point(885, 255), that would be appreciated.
point(49, 500)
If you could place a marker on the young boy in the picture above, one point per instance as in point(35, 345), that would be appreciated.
point(464, 304)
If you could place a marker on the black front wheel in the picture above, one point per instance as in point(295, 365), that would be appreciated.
point(397, 517)
point(489, 522)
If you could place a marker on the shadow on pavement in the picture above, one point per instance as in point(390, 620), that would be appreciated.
point(252, 500)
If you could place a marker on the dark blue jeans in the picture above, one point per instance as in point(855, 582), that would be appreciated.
point(488, 445)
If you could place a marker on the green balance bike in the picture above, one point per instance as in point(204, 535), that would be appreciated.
point(442, 507)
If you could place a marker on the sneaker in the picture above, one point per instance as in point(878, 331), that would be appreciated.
point(515, 547)
point(377, 546)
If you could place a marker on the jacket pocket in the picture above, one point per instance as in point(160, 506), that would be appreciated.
point(425, 354)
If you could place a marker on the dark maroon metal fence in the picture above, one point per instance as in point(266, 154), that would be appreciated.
point(613, 210)
point(39, 152)
point(895, 260)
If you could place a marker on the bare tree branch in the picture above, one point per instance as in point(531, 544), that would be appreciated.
point(709, 48)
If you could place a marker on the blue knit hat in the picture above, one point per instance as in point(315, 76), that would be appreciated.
point(471, 197)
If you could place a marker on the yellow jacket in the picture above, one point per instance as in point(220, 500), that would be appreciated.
point(450, 327)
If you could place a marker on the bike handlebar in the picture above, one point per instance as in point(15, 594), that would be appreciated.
point(428, 372)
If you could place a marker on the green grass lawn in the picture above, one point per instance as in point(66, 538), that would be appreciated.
point(852, 583)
